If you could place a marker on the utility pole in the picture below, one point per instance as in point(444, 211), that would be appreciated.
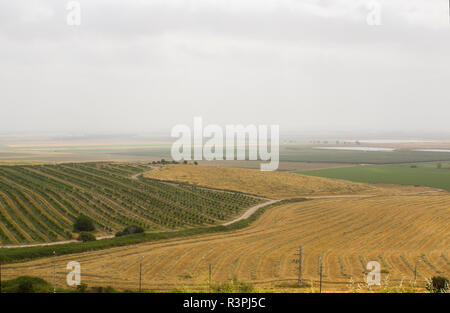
point(320, 274)
point(54, 272)
point(210, 276)
point(415, 270)
point(140, 275)
point(300, 274)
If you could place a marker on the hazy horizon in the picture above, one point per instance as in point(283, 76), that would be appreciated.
point(310, 66)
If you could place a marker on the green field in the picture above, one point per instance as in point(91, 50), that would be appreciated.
point(423, 175)
point(307, 153)
point(39, 203)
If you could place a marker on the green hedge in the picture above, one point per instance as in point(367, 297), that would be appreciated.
point(10, 255)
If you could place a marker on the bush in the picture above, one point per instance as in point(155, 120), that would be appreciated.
point(26, 284)
point(437, 284)
point(85, 237)
point(107, 289)
point(82, 288)
point(130, 230)
point(83, 223)
point(233, 286)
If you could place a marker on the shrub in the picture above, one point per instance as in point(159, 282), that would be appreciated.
point(26, 284)
point(82, 288)
point(107, 289)
point(130, 230)
point(233, 286)
point(85, 237)
point(83, 223)
point(437, 284)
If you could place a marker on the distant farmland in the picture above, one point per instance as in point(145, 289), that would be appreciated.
point(39, 203)
point(155, 151)
point(422, 175)
point(307, 153)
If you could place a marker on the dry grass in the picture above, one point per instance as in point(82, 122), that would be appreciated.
point(283, 166)
point(276, 185)
point(396, 231)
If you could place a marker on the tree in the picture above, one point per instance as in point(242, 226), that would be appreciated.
point(85, 237)
point(83, 223)
point(130, 230)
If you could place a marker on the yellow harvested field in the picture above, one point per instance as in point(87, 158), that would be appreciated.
point(276, 185)
point(347, 233)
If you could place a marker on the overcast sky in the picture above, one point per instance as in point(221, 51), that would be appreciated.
point(137, 66)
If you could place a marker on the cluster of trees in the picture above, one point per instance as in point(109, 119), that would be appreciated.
point(163, 162)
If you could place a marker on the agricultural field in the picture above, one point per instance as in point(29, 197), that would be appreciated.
point(141, 150)
point(404, 233)
point(308, 153)
point(422, 174)
point(275, 185)
point(39, 203)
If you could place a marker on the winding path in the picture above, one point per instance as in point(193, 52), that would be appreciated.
point(250, 211)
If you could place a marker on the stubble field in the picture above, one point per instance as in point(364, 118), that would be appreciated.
point(396, 231)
